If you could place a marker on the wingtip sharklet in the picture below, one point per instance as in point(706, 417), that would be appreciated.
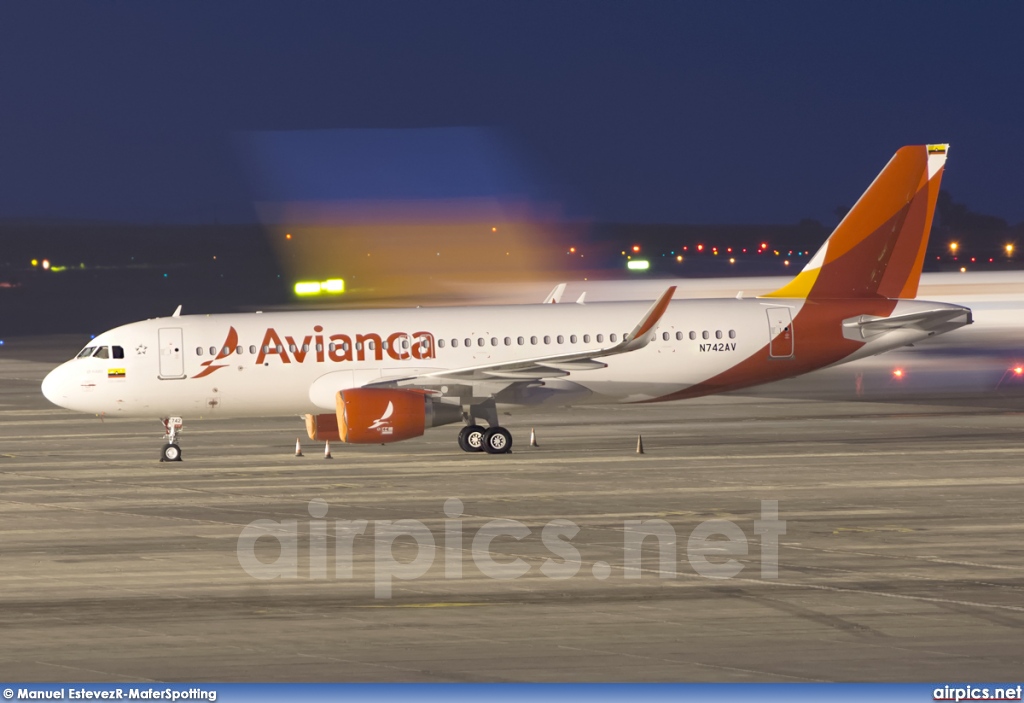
point(650, 320)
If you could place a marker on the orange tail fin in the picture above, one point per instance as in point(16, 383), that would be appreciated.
point(878, 248)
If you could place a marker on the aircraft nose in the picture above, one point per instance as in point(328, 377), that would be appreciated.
point(54, 386)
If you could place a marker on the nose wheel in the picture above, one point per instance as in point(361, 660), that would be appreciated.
point(170, 452)
point(172, 428)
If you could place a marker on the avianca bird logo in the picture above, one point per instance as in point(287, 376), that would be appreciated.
point(225, 351)
point(383, 423)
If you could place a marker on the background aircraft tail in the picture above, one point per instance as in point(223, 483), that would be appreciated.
point(878, 249)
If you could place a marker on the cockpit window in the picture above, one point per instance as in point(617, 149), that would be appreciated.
point(102, 353)
point(87, 352)
point(117, 352)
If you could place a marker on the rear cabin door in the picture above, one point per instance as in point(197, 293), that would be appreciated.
point(780, 330)
point(172, 357)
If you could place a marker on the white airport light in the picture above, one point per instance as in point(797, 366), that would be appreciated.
point(333, 286)
point(638, 265)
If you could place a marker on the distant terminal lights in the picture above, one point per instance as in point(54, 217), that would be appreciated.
point(332, 286)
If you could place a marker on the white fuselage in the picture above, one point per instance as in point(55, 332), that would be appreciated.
point(270, 364)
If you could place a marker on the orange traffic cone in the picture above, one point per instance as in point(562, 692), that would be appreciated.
point(298, 447)
point(327, 450)
point(533, 438)
point(639, 444)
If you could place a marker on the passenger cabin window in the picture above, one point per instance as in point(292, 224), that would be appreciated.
point(199, 351)
point(718, 334)
point(679, 336)
point(252, 348)
point(664, 336)
point(547, 339)
point(586, 339)
point(440, 343)
point(533, 340)
point(693, 335)
point(732, 334)
point(612, 337)
point(520, 341)
point(561, 339)
point(600, 339)
point(572, 338)
point(705, 334)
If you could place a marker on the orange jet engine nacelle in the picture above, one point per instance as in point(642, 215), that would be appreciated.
point(381, 415)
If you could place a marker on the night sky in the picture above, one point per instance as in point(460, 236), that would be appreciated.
point(633, 111)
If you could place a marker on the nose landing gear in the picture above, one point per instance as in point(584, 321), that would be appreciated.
point(172, 428)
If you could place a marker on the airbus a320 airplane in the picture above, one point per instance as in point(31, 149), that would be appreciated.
point(378, 376)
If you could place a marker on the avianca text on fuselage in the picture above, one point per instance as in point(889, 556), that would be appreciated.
point(317, 348)
point(399, 346)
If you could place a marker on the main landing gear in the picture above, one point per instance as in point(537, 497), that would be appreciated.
point(493, 440)
point(172, 428)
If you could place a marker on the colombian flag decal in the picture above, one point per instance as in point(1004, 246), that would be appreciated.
point(115, 373)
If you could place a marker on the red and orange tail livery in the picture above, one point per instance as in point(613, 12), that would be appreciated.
point(877, 251)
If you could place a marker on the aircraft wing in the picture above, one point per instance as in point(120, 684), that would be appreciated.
point(551, 366)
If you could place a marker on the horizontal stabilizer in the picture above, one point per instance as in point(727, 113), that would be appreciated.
point(932, 321)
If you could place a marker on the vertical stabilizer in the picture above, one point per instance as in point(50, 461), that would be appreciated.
point(878, 249)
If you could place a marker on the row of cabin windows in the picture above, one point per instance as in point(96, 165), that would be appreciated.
point(521, 341)
point(468, 342)
point(573, 339)
point(707, 335)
